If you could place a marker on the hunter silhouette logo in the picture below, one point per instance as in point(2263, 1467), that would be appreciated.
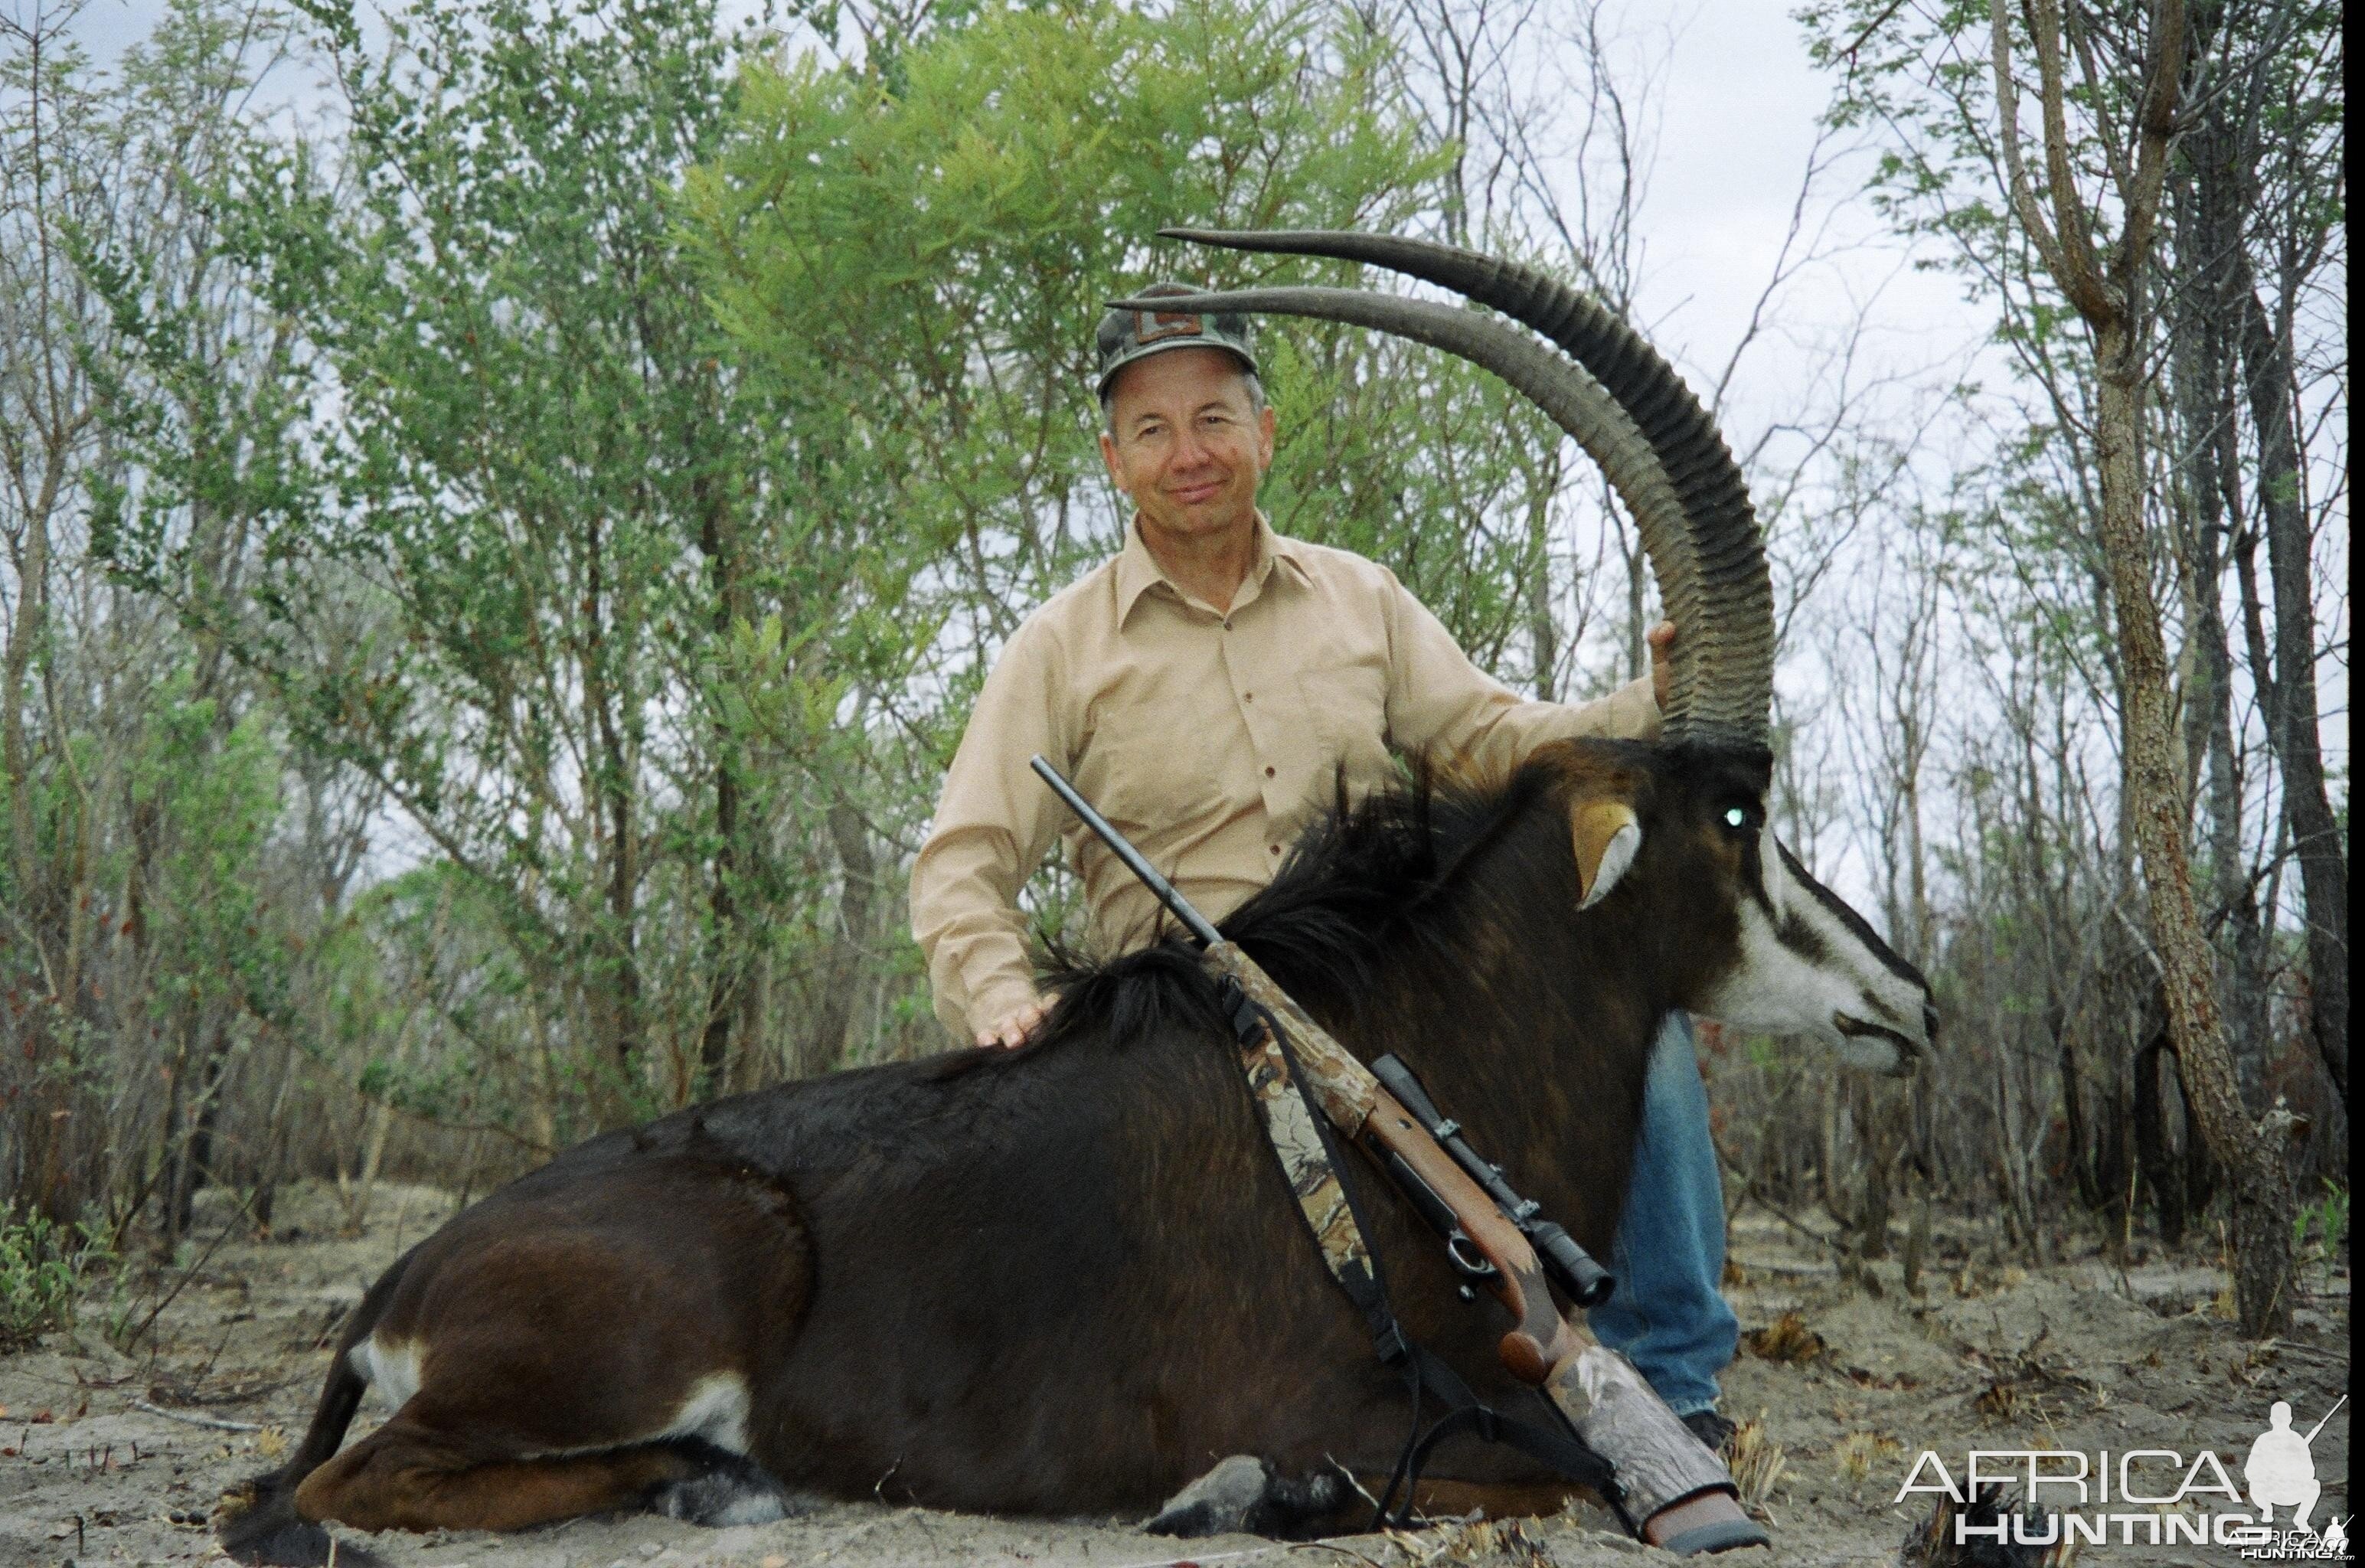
point(2281, 1467)
point(2144, 1496)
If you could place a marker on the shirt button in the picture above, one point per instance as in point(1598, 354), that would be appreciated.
point(1268, 773)
point(1248, 697)
point(1227, 623)
point(1273, 849)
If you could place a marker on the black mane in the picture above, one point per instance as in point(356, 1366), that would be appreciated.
point(1351, 890)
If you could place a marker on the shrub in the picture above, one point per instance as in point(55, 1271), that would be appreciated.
point(41, 1269)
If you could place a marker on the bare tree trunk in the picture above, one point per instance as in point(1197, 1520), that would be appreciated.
point(2098, 1135)
point(42, 1179)
point(617, 1000)
point(1544, 625)
point(2262, 1195)
point(196, 1166)
point(823, 1045)
point(2208, 237)
point(623, 885)
point(2293, 717)
point(1880, 1127)
point(725, 960)
point(2105, 295)
point(2176, 1169)
point(173, 1157)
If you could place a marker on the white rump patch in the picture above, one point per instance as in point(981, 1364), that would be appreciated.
point(716, 1411)
point(390, 1367)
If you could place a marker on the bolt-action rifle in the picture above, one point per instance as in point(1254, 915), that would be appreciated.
point(1680, 1492)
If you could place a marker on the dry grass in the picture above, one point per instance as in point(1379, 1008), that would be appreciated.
point(1786, 1339)
point(1478, 1543)
point(1859, 1451)
point(1757, 1462)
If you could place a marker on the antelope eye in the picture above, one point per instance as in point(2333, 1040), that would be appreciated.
point(1735, 817)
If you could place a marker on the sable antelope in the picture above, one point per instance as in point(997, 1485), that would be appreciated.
point(1066, 1279)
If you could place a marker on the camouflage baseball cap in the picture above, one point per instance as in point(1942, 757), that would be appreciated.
point(1129, 335)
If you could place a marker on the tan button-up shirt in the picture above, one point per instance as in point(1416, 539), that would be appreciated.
point(1207, 736)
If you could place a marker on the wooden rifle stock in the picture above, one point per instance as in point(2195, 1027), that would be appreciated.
point(1681, 1495)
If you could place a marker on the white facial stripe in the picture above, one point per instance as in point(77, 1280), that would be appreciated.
point(1773, 986)
point(1774, 872)
point(1782, 988)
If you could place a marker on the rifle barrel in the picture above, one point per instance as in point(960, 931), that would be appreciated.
point(1200, 929)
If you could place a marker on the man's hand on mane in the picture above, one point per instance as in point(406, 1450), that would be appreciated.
point(1018, 1027)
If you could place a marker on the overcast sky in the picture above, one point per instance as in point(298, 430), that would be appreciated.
point(1741, 108)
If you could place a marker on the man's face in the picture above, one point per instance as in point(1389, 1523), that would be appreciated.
point(1188, 446)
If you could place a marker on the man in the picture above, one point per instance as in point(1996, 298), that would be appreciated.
point(1203, 688)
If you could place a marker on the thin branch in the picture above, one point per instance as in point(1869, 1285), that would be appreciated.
point(2024, 196)
point(190, 1418)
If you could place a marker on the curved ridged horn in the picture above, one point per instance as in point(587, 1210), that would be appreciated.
point(1689, 499)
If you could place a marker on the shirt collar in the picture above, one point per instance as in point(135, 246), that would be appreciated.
point(1138, 570)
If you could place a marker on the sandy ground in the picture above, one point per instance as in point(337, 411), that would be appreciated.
point(1861, 1377)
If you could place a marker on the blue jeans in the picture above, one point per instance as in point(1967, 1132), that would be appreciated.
point(1666, 1313)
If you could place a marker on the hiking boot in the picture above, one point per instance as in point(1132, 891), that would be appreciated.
point(1713, 1430)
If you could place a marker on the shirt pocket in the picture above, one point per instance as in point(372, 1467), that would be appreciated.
point(1149, 778)
point(1347, 710)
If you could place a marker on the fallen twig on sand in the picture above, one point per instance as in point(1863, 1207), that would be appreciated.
point(215, 1422)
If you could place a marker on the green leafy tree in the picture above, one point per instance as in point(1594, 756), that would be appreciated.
point(934, 237)
point(639, 441)
point(533, 547)
point(117, 735)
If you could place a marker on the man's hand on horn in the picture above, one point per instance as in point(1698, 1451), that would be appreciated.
point(1661, 640)
point(1016, 1027)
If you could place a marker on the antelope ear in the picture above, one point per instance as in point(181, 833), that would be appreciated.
point(1607, 836)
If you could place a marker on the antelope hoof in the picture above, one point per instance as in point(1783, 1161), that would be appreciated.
point(731, 1490)
point(1246, 1496)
